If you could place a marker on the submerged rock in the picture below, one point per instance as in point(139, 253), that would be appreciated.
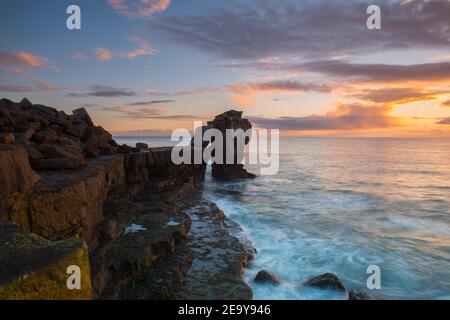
point(265, 276)
point(326, 281)
point(363, 295)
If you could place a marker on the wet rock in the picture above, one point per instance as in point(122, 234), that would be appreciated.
point(218, 258)
point(32, 267)
point(6, 138)
point(363, 295)
point(265, 276)
point(326, 281)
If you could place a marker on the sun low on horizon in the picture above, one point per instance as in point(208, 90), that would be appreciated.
point(307, 68)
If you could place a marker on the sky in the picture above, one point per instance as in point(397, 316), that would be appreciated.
point(307, 68)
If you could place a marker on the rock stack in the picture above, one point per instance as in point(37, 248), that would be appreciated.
point(231, 120)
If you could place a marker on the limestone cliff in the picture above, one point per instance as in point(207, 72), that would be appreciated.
point(123, 214)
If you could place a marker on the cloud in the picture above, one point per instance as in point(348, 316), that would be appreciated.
point(360, 72)
point(139, 8)
point(446, 104)
point(159, 113)
point(47, 86)
point(380, 72)
point(345, 117)
point(306, 29)
point(152, 102)
point(14, 88)
point(25, 59)
point(102, 54)
point(255, 87)
point(398, 95)
point(143, 132)
point(280, 85)
point(103, 92)
point(444, 121)
point(143, 48)
point(39, 87)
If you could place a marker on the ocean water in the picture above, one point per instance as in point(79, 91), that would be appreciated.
point(342, 204)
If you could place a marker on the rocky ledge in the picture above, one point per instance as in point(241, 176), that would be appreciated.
point(135, 224)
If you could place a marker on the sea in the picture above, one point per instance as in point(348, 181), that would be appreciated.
point(344, 205)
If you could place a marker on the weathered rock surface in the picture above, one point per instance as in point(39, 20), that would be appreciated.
point(16, 175)
point(326, 281)
point(231, 120)
point(265, 276)
point(32, 267)
point(218, 258)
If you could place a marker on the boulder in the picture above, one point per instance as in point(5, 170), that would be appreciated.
point(25, 103)
point(76, 128)
point(23, 138)
point(16, 174)
point(45, 135)
point(82, 114)
point(6, 138)
point(326, 281)
point(265, 276)
point(5, 115)
point(36, 125)
point(363, 295)
point(141, 145)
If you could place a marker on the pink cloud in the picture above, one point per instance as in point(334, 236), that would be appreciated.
point(139, 8)
point(47, 86)
point(143, 48)
point(102, 54)
point(25, 59)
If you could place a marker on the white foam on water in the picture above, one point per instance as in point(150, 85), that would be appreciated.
point(172, 222)
point(133, 228)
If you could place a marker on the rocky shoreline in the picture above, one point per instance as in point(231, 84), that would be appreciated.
point(136, 224)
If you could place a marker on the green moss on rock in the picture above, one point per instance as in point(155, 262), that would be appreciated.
point(32, 267)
